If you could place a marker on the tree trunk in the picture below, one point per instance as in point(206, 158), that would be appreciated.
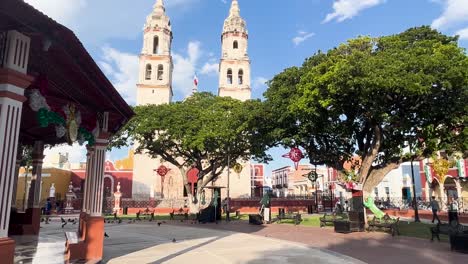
point(376, 176)
point(366, 165)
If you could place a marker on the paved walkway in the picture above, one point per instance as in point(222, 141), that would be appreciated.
point(150, 243)
point(375, 247)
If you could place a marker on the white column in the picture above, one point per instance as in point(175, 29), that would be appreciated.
point(98, 177)
point(88, 176)
point(13, 81)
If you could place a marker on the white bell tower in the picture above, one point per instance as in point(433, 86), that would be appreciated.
point(154, 87)
point(234, 68)
point(155, 75)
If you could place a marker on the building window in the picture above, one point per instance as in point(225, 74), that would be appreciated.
point(148, 72)
point(376, 192)
point(387, 191)
point(235, 45)
point(241, 77)
point(229, 76)
point(156, 45)
point(160, 72)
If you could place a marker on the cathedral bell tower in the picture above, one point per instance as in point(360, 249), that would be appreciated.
point(154, 87)
point(155, 75)
point(234, 68)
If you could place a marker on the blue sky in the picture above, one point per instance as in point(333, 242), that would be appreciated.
point(281, 34)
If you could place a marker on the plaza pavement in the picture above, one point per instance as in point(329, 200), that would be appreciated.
point(374, 247)
point(149, 243)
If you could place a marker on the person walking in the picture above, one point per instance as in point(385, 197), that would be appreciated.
point(346, 206)
point(435, 209)
point(453, 210)
point(338, 208)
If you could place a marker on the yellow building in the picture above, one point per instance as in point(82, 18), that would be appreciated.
point(60, 178)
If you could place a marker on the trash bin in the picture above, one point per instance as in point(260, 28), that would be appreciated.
point(125, 210)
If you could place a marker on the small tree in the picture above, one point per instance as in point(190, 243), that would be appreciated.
point(372, 96)
point(199, 132)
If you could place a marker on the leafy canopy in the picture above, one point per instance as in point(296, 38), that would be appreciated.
point(200, 132)
point(371, 95)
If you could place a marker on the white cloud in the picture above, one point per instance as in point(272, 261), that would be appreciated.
point(184, 68)
point(463, 33)
point(76, 153)
point(122, 69)
point(455, 12)
point(62, 11)
point(96, 22)
point(347, 9)
point(301, 37)
point(259, 82)
point(210, 68)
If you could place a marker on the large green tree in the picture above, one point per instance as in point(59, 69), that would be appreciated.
point(371, 97)
point(201, 131)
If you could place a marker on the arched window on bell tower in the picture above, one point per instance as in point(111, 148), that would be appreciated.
point(235, 45)
point(241, 77)
point(148, 72)
point(229, 76)
point(156, 45)
point(160, 72)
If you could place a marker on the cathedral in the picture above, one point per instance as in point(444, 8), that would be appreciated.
point(155, 87)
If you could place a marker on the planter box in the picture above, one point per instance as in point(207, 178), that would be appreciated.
point(459, 243)
point(342, 227)
point(255, 219)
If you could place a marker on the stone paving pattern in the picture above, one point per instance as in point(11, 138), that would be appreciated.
point(374, 247)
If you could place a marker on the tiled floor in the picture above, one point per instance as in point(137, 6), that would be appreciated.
point(47, 248)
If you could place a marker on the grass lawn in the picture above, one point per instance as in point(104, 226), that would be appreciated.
point(419, 230)
point(409, 229)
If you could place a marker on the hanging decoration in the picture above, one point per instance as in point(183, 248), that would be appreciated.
point(87, 136)
point(162, 170)
point(60, 131)
point(295, 155)
point(46, 118)
point(461, 167)
point(37, 101)
point(428, 172)
point(67, 119)
point(73, 122)
point(441, 167)
point(237, 168)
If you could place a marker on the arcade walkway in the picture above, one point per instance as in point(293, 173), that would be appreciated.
point(149, 243)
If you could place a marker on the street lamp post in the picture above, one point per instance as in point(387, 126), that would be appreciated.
point(415, 202)
point(228, 181)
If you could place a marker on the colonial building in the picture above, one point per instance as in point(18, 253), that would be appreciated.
point(155, 87)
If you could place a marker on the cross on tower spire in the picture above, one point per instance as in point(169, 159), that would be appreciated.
point(234, 11)
point(159, 6)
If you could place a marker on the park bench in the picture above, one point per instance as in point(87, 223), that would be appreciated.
point(181, 213)
point(329, 218)
point(385, 223)
point(290, 216)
